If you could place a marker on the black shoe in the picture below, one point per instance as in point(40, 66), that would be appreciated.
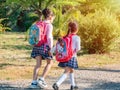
point(55, 87)
point(74, 88)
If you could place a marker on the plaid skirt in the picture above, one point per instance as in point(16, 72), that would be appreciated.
point(72, 63)
point(41, 51)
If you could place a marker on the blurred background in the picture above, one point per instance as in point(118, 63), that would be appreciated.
point(99, 30)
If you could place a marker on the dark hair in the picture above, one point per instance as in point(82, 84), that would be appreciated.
point(59, 39)
point(47, 12)
point(72, 27)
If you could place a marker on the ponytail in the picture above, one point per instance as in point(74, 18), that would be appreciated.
point(69, 31)
point(72, 27)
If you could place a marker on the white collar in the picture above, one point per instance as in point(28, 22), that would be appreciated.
point(47, 21)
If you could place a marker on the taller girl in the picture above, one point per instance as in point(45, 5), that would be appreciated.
point(72, 64)
point(43, 52)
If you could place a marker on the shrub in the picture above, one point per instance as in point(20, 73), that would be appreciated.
point(61, 25)
point(26, 20)
point(99, 31)
point(2, 27)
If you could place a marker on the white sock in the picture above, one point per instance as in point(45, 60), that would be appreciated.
point(72, 80)
point(61, 79)
point(42, 78)
point(34, 81)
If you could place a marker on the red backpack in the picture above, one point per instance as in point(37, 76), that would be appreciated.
point(37, 33)
point(64, 50)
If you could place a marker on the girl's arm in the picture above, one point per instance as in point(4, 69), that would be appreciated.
point(78, 44)
point(49, 35)
point(53, 49)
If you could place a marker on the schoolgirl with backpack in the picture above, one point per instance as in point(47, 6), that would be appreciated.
point(40, 37)
point(66, 54)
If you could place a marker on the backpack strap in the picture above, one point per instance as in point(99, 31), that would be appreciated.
point(71, 35)
point(42, 25)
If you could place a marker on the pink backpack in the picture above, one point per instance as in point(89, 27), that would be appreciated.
point(37, 33)
point(64, 50)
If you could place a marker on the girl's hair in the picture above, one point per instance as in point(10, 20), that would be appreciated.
point(72, 27)
point(47, 12)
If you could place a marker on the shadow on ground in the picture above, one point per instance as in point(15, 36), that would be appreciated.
point(99, 69)
point(97, 85)
point(108, 86)
point(96, 79)
point(17, 47)
point(9, 87)
point(3, 65)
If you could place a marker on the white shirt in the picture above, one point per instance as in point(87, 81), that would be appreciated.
point(76, 46)
point(49, 33)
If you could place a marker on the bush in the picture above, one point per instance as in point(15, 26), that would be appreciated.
point(2, 27)
point(26, 20)
point(99, 31)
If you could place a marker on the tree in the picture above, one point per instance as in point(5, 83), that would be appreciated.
point(38, 5)
point(89, 6)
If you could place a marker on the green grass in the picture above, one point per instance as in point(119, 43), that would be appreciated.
point(15, 61)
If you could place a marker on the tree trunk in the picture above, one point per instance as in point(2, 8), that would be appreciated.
point(40, 9)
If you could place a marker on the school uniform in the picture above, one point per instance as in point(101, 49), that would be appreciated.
point(45, 48)
point(72, 63)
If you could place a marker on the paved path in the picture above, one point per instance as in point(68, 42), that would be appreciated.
point(87, 79)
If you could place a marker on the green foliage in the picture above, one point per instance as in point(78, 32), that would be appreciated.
point(2, 9)
point(9, 12)
point(37, 6)
point(99, 31)
point(2, 27)
point(26, 20)
point(89, 6)
point(61, 22)
point(98, 28)
point(30, 18)
point(64, 11)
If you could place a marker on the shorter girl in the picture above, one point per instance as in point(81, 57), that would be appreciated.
point(72, 64)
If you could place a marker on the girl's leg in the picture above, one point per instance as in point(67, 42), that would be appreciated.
point(63, 77)
point(71, 75)
point(37, 66)
point(35, 72)
point(72, 80)
point(47, 68)
point(41, 80)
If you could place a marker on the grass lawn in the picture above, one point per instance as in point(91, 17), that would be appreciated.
point(15, 61)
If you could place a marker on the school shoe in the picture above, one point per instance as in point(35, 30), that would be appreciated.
point(74, 88)
point(42, 83)
point(33, 85)
point(55, 87)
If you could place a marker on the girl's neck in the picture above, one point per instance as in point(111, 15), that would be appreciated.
point(73, 32)
point(47, 20)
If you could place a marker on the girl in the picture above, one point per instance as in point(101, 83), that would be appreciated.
point(72, 63)
point(39, 54)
